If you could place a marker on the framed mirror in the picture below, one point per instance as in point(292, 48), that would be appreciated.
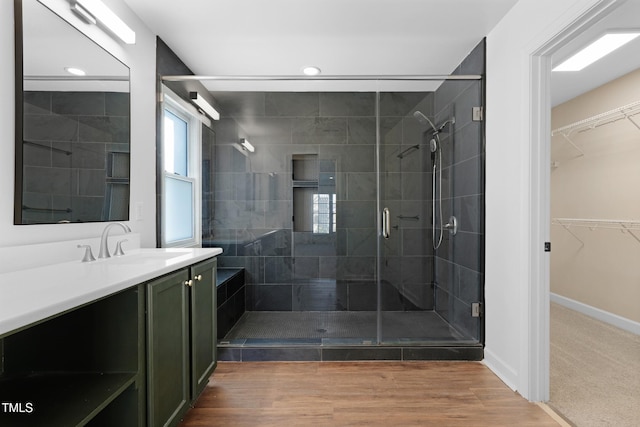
point(72, 129)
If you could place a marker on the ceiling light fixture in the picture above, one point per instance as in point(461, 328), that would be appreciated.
point(311, 70)
point(204, 105)
point(100, 12)
point(247, 145)
point(75, 71)
point(596, 50)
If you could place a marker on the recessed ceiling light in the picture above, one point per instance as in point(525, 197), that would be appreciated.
point(75, 71)
point(596, 50)
point(311, 70)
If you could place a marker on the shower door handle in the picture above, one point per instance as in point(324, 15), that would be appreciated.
point(386, 223)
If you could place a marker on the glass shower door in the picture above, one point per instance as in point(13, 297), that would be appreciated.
point(430, 280)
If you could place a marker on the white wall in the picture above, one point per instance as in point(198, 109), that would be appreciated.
point(140, 58)
point(510, 283)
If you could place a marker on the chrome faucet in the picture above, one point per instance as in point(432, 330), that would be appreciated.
point(104, 247)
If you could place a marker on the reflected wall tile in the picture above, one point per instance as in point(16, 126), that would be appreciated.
point(78, 103)
point(469, 285)
point(299, 104)
point(225, 186)
point(400, 103)
point(306, 267)
point(361, 130)
point(467, 249)
point(38, 155)
point(467, 142)
point(319, 296)
point(269, 297)
point(267, 130)
point(117, 104)
point(355, 268)
point(278, 214)
point(312, 244)
point(416, 186)
point(278, 269)
point(48, 180)
point(328, 267)
point(238, 104)
point(356, 214)
point(361, 186)
point(103, 129)
point(416, 269)
point(467, 178)
point(343, 104)
point(361, 241)
point(363, 296)
point(468, 211)
point(320, 131)
point(91, 182)
point(88, 155)
point(48, 128)
point(350, 158)
point(36, 102)
point(446, 274)
point(415, 242)
point(86, 207)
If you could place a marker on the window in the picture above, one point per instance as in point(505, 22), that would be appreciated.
point(324, 213)
point(180, 226)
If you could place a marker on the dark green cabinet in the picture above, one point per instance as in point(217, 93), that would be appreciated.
point(181, 344)
point(83, 367)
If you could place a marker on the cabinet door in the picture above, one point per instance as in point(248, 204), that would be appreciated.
point(203, 324)
point(168, 348)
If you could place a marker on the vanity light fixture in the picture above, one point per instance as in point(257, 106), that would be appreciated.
point(101, 13)
point(83, 14)
point(311, 70)
point(204, 105)
point(247, 145)
point(596, 50)
point(75, 71)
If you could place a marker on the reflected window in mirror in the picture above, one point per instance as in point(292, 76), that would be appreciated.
point(72, 124)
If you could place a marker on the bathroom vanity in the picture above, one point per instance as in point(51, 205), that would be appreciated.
point(127, 341)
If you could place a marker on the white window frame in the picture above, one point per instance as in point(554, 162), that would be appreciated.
point(174, 104)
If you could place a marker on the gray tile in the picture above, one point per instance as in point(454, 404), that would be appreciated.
point(300, 104)
point(78, 103)
point(342, 104)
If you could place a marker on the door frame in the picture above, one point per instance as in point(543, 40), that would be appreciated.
point(539, 194)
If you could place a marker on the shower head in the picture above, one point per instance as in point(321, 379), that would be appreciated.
point(451, 121)
point(433, 145)
point(424, 120)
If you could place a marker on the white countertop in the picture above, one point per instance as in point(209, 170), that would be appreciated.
point(31, 295)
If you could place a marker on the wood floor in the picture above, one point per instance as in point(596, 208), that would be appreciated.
point(360, 393)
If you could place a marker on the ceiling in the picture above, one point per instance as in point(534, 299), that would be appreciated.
point(568, 85)
point(354, 37)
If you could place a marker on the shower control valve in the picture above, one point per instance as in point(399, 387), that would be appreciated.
point(452, 225)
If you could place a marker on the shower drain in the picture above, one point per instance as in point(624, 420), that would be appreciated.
point(321, 330)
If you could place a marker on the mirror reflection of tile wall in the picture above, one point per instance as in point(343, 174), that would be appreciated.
point(75, 156)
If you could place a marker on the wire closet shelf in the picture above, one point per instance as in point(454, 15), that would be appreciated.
point(631, 227)
point(625, 112)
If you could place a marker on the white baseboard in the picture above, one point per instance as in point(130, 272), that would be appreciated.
point(604, 316)
point(505, 372)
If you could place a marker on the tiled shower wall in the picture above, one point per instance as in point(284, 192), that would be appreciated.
point(75, 142)
point(254, 203)
point(459, 262)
